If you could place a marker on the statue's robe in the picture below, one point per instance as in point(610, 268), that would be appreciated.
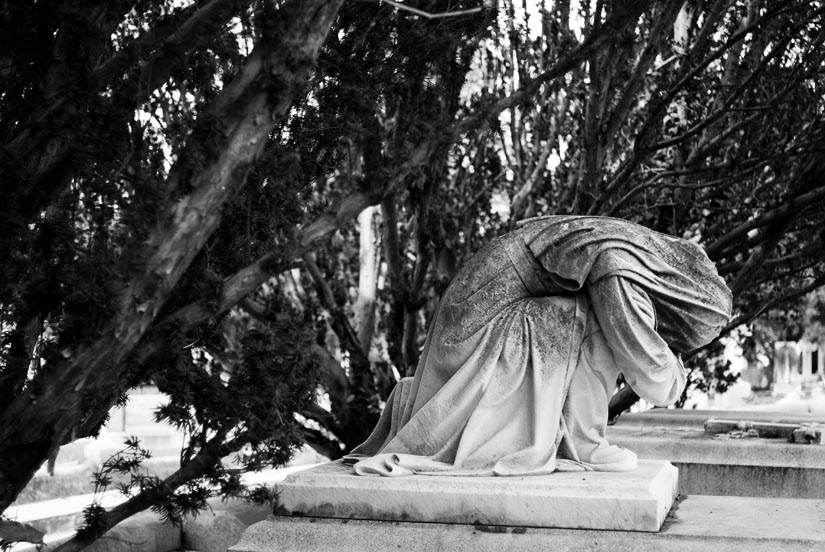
point(526, 345)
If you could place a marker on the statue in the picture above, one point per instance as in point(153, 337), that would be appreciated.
point(525, 348)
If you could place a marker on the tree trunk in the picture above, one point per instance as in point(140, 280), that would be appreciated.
point(73, 396)
point(364, 308)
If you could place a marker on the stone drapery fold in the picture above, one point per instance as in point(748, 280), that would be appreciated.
point(526, 345)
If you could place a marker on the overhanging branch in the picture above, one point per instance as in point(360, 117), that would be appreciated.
point(803, 200)
point(248, 279)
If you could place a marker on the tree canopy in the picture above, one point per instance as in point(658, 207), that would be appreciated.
point(247, 202)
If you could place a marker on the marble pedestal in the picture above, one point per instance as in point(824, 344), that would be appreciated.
point(633, 501)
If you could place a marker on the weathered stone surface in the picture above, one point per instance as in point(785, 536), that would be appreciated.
point(695, 418)
point(767, 430)
point(634, 501)
point(528, 340)
point(721, 465)
point(145, 532)
point(246, 512)
point(697, 523)
point(212, 531)
point(811, 435)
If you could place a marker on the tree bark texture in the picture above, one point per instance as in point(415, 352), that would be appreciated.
point(71, 398)
point(347, 208)
point(50, 157)
point(364, 308)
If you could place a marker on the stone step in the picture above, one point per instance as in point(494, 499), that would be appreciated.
point(696, 523)
point(726, 464)
point(637, 500)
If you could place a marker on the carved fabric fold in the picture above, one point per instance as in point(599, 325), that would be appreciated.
point(523, 354)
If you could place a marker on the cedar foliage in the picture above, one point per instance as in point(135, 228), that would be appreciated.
point(181, 180)
point(128, 131)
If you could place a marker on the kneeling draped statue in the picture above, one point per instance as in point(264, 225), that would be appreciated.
point(527, 343)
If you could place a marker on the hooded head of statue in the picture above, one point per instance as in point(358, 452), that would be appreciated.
point(692, 301)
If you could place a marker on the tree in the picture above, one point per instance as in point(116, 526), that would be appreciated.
point(105, 231)
point(124, 170)
point(656, 114)
point(183, 185)
point(385, 93)
point(703, 121)
point(397, 99)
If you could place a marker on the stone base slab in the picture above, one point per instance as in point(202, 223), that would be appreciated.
point(721, 464)
point(696, 523)
point(632, 501)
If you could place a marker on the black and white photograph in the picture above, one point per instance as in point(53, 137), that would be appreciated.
point(419, 275)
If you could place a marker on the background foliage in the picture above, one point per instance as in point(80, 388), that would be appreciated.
point(257, 204)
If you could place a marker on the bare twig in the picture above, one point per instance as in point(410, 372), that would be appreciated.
point(690, 72)
point(651, 182)
point(425, 14)
point(747, 317)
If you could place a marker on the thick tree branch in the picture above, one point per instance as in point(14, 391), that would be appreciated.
point(520, 197)
point(396, 280)
point(794, 204)
point(340, 321)
point(653, 181)
point(774, 235)
point(79, 389)
point(334, 378)
point(190, 28)
point(320, 443)
point(812, 252)
point(656, 39)
point(621, 401)
point(325, 419)
point(347, 208)
point(202, 464)
point(51, 158)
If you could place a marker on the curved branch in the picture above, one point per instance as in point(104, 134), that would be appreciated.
point(340, 322)
point(42, 422)
point(624, 14)
point(774, 235)
point(13, 531)
point(628, 95)
point(651, 182)
point(796, 203)
point(749, 316)
point(189, 30)
point(202, 464)
point(690, 73)
point(426, 14)
point(52, 156)
point(736, 266)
